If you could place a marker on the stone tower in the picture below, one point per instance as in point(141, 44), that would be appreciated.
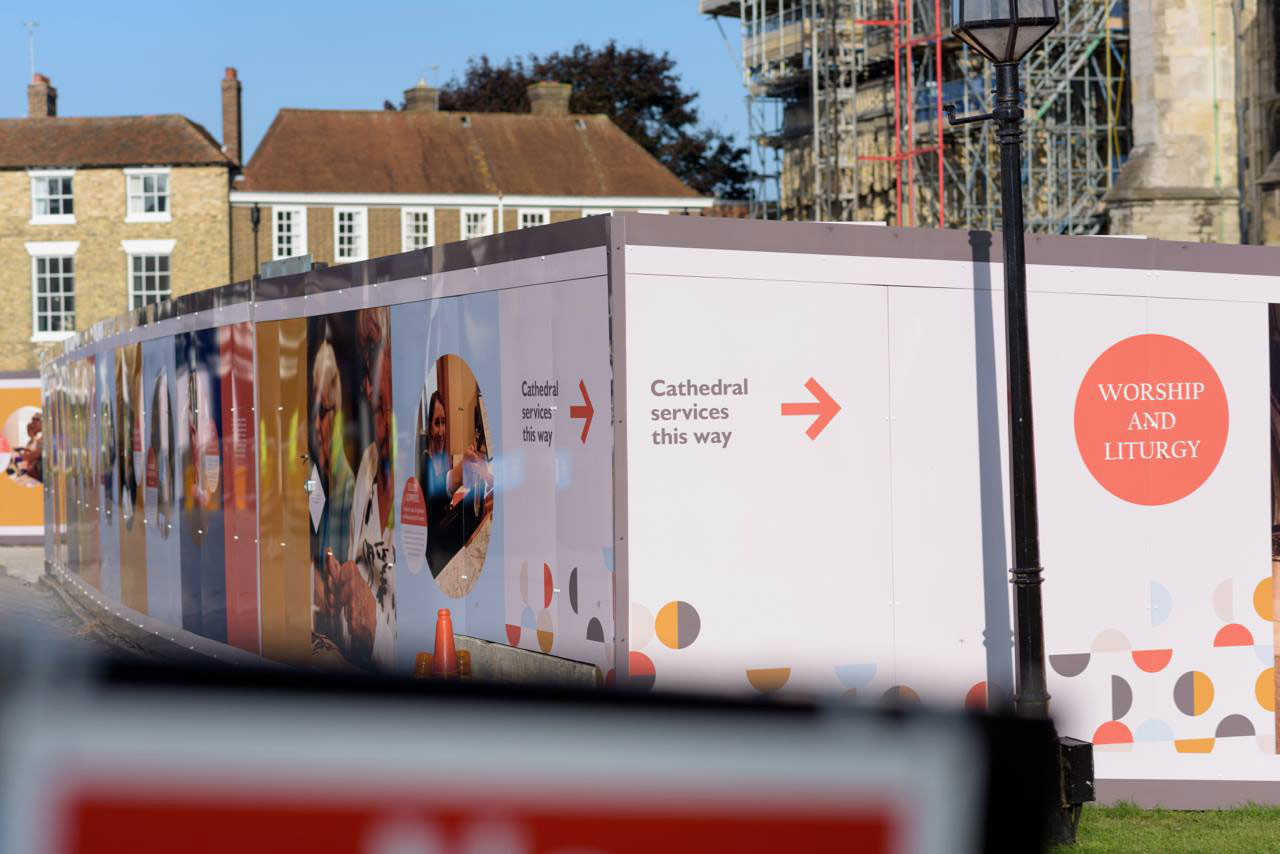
point(1181, 180)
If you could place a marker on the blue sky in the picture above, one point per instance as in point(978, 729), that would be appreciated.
point(131, 58)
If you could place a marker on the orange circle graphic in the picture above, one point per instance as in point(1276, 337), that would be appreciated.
point(1151, 419)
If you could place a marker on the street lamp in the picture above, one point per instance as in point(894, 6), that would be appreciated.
point(1003, 31)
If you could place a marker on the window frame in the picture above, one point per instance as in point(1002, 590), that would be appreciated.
point(545, 213)
point(299, 232)
point(586, 212)
point(36, 175)
point(141, 249)
point(362, 249)
point(488, 220)
point(406, 217)
point(45, 250)
point(153, 216)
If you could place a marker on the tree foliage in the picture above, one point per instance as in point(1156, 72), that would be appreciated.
point(640, 91)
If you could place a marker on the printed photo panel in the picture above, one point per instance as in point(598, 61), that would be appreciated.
point(47, 380)
point(350, 498)
point(161, 523)
point(21, 443)
point(107, 496)
point(239, 484)
point(285, 579)
point(199, 483)
point(447, 411)
point(85, 473)
point(130, 469)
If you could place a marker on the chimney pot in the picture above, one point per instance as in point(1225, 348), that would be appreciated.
point(548, 98)
point(42, 98)
point(231, 139)
point(422, 98)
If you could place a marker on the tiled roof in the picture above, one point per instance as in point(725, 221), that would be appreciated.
point(389, 151)
point(107, 141)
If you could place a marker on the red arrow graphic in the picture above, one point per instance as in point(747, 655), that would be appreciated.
point(824, 407)
point(584, 411)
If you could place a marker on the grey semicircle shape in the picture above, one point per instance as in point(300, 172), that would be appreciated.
point(1121, 698)
point(1069, 664)
point(1234, 725)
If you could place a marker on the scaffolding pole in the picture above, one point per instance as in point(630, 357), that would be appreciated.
point(846, 122)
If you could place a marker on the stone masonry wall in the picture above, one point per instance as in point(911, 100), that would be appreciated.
point(1180, 181)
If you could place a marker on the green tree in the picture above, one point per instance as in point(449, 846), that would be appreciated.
point(640, 91)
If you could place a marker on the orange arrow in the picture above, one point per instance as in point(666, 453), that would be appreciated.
point(824, 407)
point(584, 410)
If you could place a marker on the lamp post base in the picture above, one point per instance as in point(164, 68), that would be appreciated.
point(1075, 787)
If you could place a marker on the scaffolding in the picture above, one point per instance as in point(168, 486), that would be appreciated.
point(844, 102)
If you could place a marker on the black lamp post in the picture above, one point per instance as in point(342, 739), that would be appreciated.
point(255, 217)
point(1003, 31)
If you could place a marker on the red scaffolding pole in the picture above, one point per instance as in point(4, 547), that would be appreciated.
point(905, 43)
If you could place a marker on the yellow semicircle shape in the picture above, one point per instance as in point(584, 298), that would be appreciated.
point(667, 625)
point(1202, 693)
point(1264, 599)
point(1193, 745)
point(1265, 689)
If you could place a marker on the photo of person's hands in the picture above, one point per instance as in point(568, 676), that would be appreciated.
point(325, 593)
point(348, 593)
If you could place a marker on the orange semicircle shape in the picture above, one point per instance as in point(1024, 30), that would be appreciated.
point(766, 680)
point(1152, 660)
point(1233, 634)
point(1112, 732)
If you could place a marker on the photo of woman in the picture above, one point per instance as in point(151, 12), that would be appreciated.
point(453, 467)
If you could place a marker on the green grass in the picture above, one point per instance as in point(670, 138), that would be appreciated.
point(1127, 827)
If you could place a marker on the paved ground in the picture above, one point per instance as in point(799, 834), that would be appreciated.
point(25, 600)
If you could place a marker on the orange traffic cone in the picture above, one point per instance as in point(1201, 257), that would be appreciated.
point(444, 662)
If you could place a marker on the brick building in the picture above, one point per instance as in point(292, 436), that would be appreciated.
point(344, 185)
point(98, 215)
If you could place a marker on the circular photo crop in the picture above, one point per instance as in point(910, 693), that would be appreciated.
point(447, 505)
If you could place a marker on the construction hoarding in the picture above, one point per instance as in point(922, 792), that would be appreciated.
point(722, 455)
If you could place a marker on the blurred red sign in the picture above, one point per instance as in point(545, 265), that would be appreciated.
point(151, 822)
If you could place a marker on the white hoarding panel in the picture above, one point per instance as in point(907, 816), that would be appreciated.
point(758, 472)
point(869, 556)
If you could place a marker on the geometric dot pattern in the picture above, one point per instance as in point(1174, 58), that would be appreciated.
point(1265, 689)
point(677, 624)
point(1193, 693)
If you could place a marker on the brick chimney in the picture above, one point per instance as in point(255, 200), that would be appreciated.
point(42, 98)
point(231, 116)
point(549, 99)
point(422, 98)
